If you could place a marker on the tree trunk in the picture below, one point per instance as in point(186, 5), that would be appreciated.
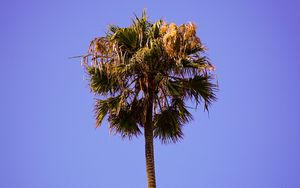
point(149, 152)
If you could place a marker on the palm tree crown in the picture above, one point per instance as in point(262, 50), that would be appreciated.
point(146, 72)
point(165, 58)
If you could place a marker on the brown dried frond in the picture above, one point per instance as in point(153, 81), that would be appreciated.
point(170, 38)
point(177, 39)
point(102, 51)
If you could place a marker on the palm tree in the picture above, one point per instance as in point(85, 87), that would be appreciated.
point(146, 72)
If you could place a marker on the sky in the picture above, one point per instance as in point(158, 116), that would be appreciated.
point(250, 138)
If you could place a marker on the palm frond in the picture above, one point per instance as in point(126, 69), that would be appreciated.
point(167, 126)
point(127, 39)
point(101, 82)
point(201, 89)
point(184, 115)
point(103, 107)
point(198, 88)
point(124, 123)
point(168, 123)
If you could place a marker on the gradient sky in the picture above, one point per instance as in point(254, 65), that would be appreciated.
point(249, 140)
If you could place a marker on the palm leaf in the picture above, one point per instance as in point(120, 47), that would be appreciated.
point(168, 123)
point(101, 82)
point(201, 88)
point(102, 108)
point(127, 39)
point(167, 126)
point(124, 123)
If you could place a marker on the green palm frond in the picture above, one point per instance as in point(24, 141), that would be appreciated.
point(103, 107)
point(166, 127)
point(126, 120)
point(201, 63)
point(124, 123)
point(184, 115)
point(168, 123)
point(101, 82)
point(124, 117)
point(175, 88)
point(127, 39)
point(201, 89)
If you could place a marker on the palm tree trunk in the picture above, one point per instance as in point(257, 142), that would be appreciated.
point(149, 151)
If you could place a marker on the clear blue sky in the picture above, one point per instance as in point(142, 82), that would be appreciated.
point(249, 140)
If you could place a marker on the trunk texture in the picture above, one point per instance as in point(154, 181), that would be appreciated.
point(149, 151)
